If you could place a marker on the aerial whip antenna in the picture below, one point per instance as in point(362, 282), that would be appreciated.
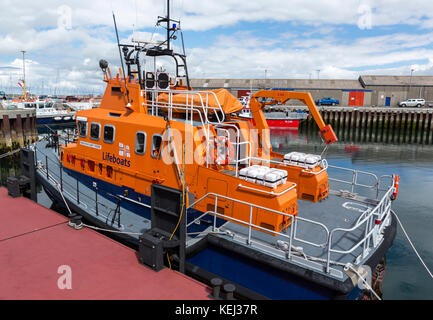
point(121, 59)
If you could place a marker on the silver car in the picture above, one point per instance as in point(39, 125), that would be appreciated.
point(412, 103)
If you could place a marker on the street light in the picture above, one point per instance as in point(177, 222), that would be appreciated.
point(410, 81)
point(24, 75)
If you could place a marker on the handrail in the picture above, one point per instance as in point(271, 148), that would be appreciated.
point(204, 106)
point(354, 182)
point(57, 179)
point(366, 219)
point(251, 225)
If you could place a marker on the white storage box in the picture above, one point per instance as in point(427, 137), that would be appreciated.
point(263, 175)
point(311, 161)
point(255, 172)
point(273, 179)
point(243, 173)
point(282, 173)
point(291, 157)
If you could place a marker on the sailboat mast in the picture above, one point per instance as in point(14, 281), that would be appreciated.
point(24, 75)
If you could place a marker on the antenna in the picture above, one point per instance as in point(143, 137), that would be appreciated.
point(168, 20)
point(121, 59)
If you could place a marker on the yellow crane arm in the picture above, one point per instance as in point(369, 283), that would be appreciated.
point(257, 103)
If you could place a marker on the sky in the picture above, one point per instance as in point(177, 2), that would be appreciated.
point(326, 39)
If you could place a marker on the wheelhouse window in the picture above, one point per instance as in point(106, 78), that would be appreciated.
point(82, 128)
point(140, 142)
point(95, 131)
point(156, 146)
point(108, 134)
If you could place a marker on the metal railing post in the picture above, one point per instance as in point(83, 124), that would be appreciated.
point(354, 178)
point(249, 226)
point(215, 210)
point(377, 188)
point(78, 192)
point(61, 176)
point(291, 237)
point(96, 200)
point(329, 253)
point(46, 167)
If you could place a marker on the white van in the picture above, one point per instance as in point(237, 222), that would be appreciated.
point(412, 103)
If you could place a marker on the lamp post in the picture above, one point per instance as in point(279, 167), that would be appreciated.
point(24, 75)
point(410, 81)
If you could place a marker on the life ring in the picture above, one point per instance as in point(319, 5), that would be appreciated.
point(396, 179)
point(223, 151)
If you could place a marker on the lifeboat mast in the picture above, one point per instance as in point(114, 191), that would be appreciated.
point(160, 49)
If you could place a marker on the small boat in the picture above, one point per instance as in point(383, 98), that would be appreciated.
point(277, 119)
point(46, 113)
point(178, 175)
point(351, 148)
point(277, 116)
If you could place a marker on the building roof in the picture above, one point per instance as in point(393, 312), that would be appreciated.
point(277, 83)
point(396, 80)
point(311, 84)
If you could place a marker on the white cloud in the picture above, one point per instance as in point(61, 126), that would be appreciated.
point(64, 58)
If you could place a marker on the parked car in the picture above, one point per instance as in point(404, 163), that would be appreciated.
point(327, 101)
point(2, 95)
point(412, 103)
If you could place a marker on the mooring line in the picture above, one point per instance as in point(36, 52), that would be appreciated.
point(411, 244)
point(7, 154)
point(33, 231)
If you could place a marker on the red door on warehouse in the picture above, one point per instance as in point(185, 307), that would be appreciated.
point(356, 98)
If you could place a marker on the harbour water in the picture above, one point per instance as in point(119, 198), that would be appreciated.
point(405, 278)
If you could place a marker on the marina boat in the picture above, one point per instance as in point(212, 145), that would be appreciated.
point(178, 175)
point(84, 104)
point(277, 119)
point(277, 116)
point(46, 112)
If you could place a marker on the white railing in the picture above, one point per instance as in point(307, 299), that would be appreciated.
point(292, 236)
point(370, 238)
point(194, 100)
point(379, 213)
point(237, 159)
point(355, 176)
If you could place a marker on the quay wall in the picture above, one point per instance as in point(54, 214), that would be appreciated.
point(17, 127)
point(396, 125)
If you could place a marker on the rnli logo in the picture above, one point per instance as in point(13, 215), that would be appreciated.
point(116, 160)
